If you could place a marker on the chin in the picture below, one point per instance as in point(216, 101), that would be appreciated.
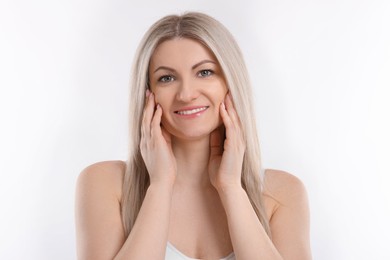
point(191, 134)
point(192, 131)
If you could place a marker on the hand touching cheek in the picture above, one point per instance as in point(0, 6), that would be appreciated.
point(155, 145)
point(226, 155)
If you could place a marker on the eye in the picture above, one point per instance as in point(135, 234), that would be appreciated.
point(205, 73)
point(165, 78)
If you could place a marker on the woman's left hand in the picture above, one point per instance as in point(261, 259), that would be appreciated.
point(227, 155)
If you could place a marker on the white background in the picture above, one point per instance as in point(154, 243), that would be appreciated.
point(321, 74)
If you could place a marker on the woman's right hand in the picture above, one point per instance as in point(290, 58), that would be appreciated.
point(156, 149)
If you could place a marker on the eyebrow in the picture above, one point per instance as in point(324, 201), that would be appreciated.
point(193, 67)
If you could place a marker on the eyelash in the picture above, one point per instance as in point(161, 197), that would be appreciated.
point(211, 72)
point(163, 78)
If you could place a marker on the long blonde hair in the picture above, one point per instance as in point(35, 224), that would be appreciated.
point(218, 39)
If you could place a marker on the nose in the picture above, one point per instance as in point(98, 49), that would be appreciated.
point(187, 91)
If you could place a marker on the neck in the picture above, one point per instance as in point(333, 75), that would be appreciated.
point(192, 158)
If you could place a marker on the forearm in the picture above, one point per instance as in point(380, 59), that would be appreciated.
point(249, 239)
point(148, 238)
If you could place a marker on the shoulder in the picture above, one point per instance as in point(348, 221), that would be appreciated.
point(283, 190)
point(104, 176)
point(99, 231)
point(290, 218)
point(284, 187)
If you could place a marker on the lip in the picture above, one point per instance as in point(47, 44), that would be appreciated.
point(194, 115)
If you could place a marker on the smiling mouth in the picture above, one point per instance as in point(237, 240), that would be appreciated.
point(191, 111)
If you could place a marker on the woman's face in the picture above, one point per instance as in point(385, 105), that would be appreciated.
point(189, 85)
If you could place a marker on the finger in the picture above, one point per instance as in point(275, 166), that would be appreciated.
point(236, 123)
point(225, 116)
point(156, 121)
point(148, 114)
point(231, 109)
point(147, 94)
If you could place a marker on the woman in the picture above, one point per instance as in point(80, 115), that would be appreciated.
point(191, 187)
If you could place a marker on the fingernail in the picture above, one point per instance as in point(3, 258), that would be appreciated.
point(223, 105)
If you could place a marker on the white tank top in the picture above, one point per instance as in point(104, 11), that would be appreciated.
point(173, 254)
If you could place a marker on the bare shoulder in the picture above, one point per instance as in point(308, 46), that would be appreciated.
point(99, 231)
point(106, 175)
point(282, 186)
point(289, 217)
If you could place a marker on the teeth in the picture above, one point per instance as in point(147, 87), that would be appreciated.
point(192, 111)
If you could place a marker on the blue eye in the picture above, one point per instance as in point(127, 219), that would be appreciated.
point(205, 73)
point(166, 78)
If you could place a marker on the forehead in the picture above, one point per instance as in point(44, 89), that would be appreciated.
point(180, 52)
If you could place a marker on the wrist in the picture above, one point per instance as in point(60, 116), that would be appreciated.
point(231, 188)
point(162, 183)
point(230, 195)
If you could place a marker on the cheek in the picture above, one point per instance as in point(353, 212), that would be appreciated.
point(220, 91)
point(158, 98)
point(160, 95)
point(220, 96)
point(164, 103)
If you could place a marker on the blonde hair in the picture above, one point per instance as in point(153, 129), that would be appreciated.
point(218, 39)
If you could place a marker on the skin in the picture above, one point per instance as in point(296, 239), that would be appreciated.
point(195, 200)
